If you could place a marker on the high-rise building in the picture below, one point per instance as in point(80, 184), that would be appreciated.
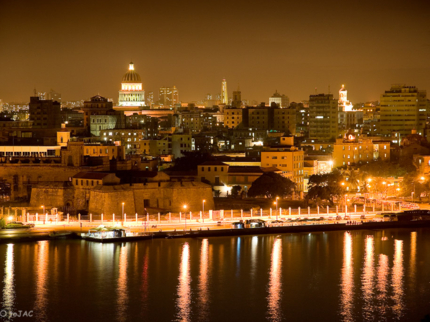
point(168, 96)
point(281, 101)
point(237, 99)
point(150, 99)
point(224, 93)
point(54, 96)
point(175, 95)
point(403, 108)
point(45, 113)
point(323, 117)
point(131, 93)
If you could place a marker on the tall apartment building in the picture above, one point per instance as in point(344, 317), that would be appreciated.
point(150, 99)
point(262, 118)
point(175, 95)
point(45, 113)
point(289, 160)
point(195, 121)
point(403, 108)
point(285, 120)
point(258, 118)
point(168, 96)
point(302, 118)
point(53, 95)
point(232, 117)
point(323, 116)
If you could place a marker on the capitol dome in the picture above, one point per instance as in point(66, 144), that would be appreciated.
point(131, 76)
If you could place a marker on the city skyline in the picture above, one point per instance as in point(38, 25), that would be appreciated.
point(360, 43)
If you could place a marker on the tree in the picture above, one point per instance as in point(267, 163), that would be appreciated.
point(235, 190)
point(386, 169)
point(325, 186)
point(271, 185)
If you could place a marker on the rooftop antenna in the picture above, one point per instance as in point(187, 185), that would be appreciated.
point(329, 89)
point(316, 92)
point(35, 93)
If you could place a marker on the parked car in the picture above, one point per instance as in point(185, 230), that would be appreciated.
point(410, 205)
point(237, 225)
point(276, 222)
point(17, 225)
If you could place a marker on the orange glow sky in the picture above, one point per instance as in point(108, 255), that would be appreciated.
point(81, 48)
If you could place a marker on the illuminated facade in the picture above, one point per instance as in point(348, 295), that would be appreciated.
point(344, 104)
point(354, 150)
point(289, 160)
point(281, 101)
point(403, 108)
point(232, 117)
point(131, 93)
point(224, 94)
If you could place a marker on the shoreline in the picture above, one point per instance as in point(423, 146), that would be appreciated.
point(227, 232)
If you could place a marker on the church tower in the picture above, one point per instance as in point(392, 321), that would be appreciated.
point(224, 94)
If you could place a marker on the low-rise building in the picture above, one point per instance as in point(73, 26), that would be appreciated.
point(354, 150)
point(129, 138)
point(288, 160)
point(232, 117)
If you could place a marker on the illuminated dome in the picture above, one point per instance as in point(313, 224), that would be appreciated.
point(131, 76)
point(131, 92)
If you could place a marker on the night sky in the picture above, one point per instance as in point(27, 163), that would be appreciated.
point(82, 47)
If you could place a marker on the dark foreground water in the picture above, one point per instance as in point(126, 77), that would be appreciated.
point(335, 276)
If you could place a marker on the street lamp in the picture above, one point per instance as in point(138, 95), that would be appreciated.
point(203, 213)
point(43, 207)
point(343, 185)
point(185, 215)
point(122, 213)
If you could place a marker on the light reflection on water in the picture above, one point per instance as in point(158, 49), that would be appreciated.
point(367, 278)
point(412, 260)
point(347, 280)
point(183, 301)
point(275, 283)
point(8, 281)
point(364, 278)
point(397, 279)
point(122, 289)
point(382, 284)
point(42, 280)
point(204, 280)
